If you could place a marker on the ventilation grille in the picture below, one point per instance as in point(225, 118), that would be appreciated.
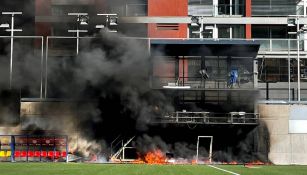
point(168, 26)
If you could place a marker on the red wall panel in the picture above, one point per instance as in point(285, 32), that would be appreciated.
point(164, 69)
point(167, 8)
point(248, 13)
point(42, 8)
point(183, 69)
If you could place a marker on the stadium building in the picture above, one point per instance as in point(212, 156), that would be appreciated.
point(226, 67)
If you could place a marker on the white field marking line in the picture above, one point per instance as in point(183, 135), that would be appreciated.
point(223, 170)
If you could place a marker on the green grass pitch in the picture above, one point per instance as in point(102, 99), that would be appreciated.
point(132, 169)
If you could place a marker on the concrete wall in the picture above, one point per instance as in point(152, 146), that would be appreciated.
point(285, 148)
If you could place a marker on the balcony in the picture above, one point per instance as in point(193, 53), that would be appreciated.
point(215, 10)
point(239, 9)
point(208, 118)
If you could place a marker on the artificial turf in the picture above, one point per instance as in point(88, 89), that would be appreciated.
point(132, 169)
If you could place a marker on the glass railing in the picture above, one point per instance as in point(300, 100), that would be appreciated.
point(226, 9)
point(136, 10)
point(239, 9)
point(214, 10)
point(280, 44)
point(205, 10)
point(274, 10)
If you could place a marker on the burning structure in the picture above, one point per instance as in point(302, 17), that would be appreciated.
point(164, 90)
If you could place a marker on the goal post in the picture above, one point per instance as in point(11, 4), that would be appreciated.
point(210, 148)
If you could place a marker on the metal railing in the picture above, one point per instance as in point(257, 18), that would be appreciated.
point(200, 83)
point(211, 118)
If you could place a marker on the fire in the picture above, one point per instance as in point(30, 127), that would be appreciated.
point(155, 157)
point(257, 162)
point(139, 160)
point(230, 163)
point(151, 157)
point(233, 163)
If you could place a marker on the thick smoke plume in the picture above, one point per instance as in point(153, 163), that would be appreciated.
point(107, 81)
point(106, 92)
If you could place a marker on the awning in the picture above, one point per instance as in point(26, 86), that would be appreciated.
point(237, 48)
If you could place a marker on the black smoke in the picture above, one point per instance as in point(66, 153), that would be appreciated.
point(110, 89)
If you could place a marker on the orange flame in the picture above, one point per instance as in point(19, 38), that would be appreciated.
point(151, 157)
point(257, 162)
point(230, 163)
point(155, 157)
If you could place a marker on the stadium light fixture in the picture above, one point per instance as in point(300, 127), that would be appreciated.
point(82, 19)
point(4, 25)
point(111, 19)
point(194, 21)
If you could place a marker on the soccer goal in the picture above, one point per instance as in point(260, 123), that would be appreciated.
point(210, 147)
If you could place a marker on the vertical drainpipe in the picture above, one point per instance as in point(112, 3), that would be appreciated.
point(12, 148)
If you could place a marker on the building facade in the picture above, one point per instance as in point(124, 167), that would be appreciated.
point(263, 21)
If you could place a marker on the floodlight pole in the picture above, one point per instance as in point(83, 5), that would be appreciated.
point(289, 72)
point(298, 60)
point(77, 37)
point(12, 30)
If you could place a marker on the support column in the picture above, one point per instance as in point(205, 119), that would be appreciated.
point(215, 7)
point(12, 148)
point(304, 6)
